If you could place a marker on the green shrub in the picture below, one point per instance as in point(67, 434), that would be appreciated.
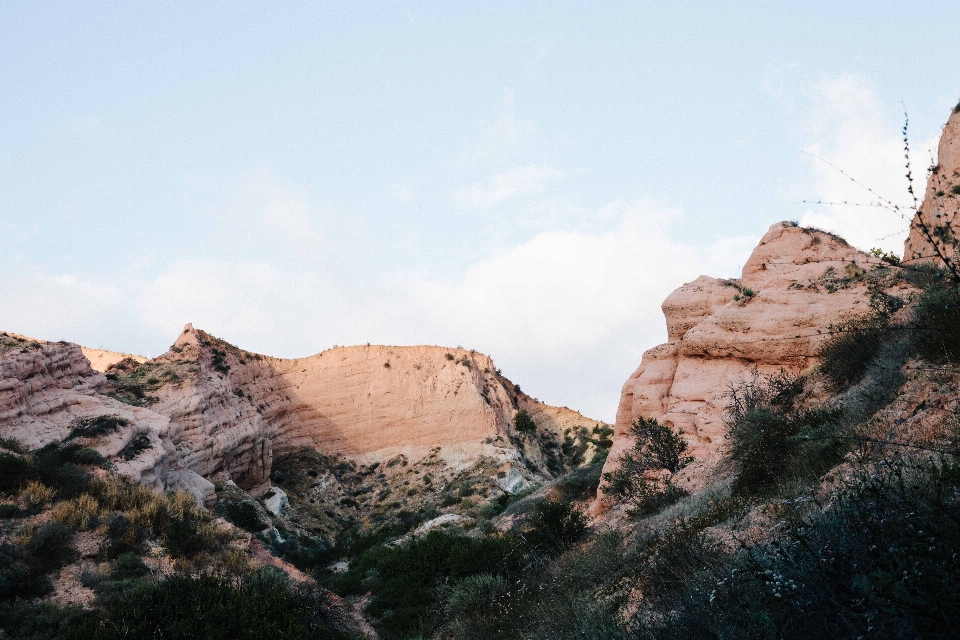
point(845, 356)
point(245, 516)
point(555, 526)
point(49, 547)
point(477, 605)
point(404, 580)
point(880, 562)
point(128, 566)
point(76, 454)
point(769, 444)
point(14, 471)
point(12, 444)
point(655, 448)
point(17, 578)
point(137, 445)
point(96, 426)
point(203, 606)
point(123, 535)
point(523, 422)
point(51, 466)
point(936, 323)
point(42, 621)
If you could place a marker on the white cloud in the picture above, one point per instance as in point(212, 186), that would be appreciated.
point(60, 307)
point(251, 303)
point(520, 181)
point(278, 312)
point(852, 131)
point(571, 290)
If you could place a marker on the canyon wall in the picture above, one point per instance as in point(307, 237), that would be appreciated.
point(213, 411)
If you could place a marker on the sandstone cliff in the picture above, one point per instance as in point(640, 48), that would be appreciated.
point(932, 232)
point(796, 285)
point(208, 410)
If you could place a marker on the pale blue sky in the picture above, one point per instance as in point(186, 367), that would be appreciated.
point(527, 179)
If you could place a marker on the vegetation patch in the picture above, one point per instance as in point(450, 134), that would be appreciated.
point(133, 382)
point(263, 605)
point(637, 483)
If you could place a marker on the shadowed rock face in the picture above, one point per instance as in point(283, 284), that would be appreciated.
point(940, 203)
point(796, 284)
point(213, 411)
point(367, 402)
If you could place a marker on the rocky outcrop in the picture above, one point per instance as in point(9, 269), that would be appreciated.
point(932, 232)
point(101, 360)
point(796, 285)
point(208, 410)
point(236, 410)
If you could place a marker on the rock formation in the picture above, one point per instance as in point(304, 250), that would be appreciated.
point(796, 285)
point(101, 360)
point(932, 232)
point(208, 410)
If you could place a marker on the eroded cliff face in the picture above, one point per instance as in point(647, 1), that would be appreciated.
point(932, 231)
point(796, 285)
point(211, 411)
point(368, 403)
point(50, 393)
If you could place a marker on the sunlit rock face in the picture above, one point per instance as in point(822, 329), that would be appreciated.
point(940, 204)
point(796, 284)
point(209, 410)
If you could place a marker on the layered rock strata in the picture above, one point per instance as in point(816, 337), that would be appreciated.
point(207, 410)
point(797, 284)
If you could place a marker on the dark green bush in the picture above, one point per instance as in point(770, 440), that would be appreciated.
point(96, 426)
point(137, 445)
point(523, 422)
point(655, 448)
point(17, 578)
point(128, 566)
point(25, 621)
point(204, 607)
point(49, 547)
point(555, 526)
point(844, 357)
point(87, 456)
point(123, 535)
point(9, 510)
point(51, 466)
point(883, 561)
point(936, 319)
point(14, 471)
point(245, 516)
point(404, 580)
point(770, 444)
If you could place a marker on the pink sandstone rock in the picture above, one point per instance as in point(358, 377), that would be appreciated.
point(940, 204)
point(796, 283)
point(101, 360)
point(218, 412)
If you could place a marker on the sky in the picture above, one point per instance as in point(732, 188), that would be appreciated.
point(526, 179)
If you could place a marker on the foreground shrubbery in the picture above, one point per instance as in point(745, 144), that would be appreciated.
point(263, 606)
point(656, 448)
point(880, 558)
point(444, 578)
